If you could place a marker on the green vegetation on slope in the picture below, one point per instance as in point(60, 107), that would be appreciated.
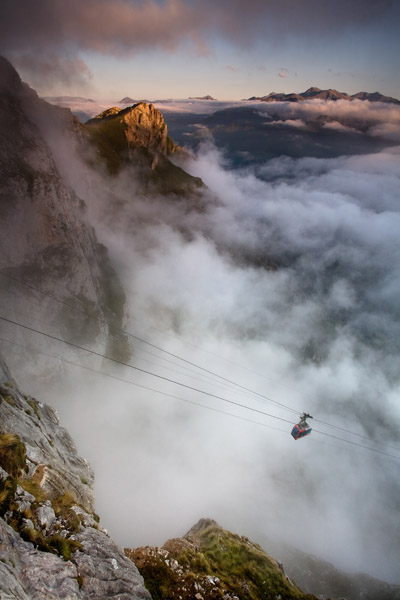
point(121, 140)
point(108, 137)
point(13, 461)
point(12, 453)
point(243, 567)
point(211, 563)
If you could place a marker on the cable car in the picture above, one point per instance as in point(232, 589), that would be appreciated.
point(302, 428)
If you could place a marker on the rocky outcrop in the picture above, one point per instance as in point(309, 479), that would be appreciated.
point(146, 127)
point(140, 126)
point(51, 544)
point(209, 563)
point(137, 137)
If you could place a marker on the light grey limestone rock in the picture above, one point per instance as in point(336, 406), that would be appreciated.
point(101, 571)
point(26, 574)
point(51, 454)
point(46, 576)
point(87, 519)
point(23, 499)
point(98, 570)
point(45, 516)
point(28, 524)
point(48, 249)
point(106, 571)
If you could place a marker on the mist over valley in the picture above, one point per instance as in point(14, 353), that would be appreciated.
point(215, 273)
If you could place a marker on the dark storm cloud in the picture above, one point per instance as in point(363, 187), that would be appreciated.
point(240, 20)
point(105, 26)
point(56, 27)
point(97, 25)
point(46, 69)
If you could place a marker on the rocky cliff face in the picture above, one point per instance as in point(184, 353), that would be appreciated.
point(142, 124)
point(46, 241)
point(51, 544)
point(209, 563)
point(51, 263)
point(137, 137)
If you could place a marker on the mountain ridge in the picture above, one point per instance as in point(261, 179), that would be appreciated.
point(210, 563)
point(207, 97)
point(138, 135)
point(315, 93)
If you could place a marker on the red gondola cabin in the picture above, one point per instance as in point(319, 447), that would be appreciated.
point(302, 428)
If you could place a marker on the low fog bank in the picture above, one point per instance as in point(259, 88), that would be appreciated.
point(87, 108)
point(288, 284)
point(255, 132)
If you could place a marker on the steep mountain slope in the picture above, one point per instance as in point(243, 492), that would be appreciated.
point(137, 136)
point(46, 240)
point(50, 257)
point(209, 563)
point(321, 577)
point(51, 544)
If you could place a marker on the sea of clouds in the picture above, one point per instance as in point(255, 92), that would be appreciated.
point(285, 282)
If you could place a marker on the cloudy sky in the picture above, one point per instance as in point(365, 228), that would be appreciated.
point(319, 334)
point(179, 48)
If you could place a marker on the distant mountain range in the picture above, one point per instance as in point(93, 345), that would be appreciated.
point(208, 97)
point(128, 100)
point(314, 93)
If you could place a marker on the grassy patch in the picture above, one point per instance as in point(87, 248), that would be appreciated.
point(159, 579)
point(34, 404)
point(10, 400)
point(70, 520)
point(63, 546)
point(33, 487)
point(63, 502)
point(109, 139)
point(12, 453)
point(56, 544)
point(244, 568)
point(62, 508)
point(7, 494)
